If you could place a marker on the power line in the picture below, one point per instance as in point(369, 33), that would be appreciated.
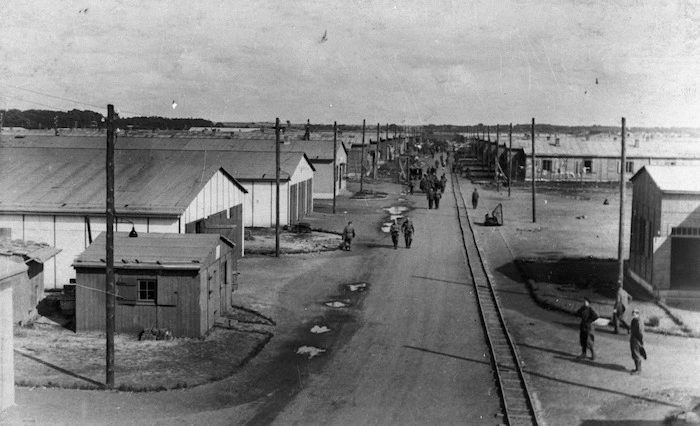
point(65, 99)
point(31, 102)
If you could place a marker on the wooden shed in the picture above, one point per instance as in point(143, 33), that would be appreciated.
point(28, 290)
point(665, 230)
point(52, 190)
point(10, 273)
point(182, 282)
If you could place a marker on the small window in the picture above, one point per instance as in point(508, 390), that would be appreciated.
point(587, 166)
point(629, 167)
point(147, 291)
point(547, 165)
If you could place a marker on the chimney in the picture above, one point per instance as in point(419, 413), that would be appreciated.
point(556, 142)
point(636, 143)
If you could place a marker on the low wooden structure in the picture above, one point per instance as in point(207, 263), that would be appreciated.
point(28, 290)
point(181, 282)
point(10, 273)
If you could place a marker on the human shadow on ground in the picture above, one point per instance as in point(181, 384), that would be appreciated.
point(593, 363)
point(480, 361)
point(622, 423)
point(567, 356)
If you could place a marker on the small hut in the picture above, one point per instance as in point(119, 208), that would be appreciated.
point(179, 282)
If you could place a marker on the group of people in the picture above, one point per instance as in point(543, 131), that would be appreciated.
point(406, 228)
point(433, 187)
point(588, 317)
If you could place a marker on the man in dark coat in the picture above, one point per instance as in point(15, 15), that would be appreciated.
point(431, 197)
point(587, 328)
point(394, 231)
point(348, 235)
point(438, 195)
point(475, 198)
point(637, 341)
point(408, 230)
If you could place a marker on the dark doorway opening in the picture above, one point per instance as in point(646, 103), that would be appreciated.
point(685, 263)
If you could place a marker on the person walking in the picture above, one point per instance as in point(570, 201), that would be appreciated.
point(348, 235)
point(622, 302)
point(438, 195)
point(408, 231)
point(443, 182)
point(475, 198)
point(431, 198)
point(637, 341)
point(394, 231)
point(587, 328)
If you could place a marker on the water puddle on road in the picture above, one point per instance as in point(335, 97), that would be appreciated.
point(337, 304)
point(310, 351)
point(320, 329)
point(357, 287)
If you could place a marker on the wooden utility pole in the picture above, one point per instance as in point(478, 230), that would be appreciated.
point(277, 188)
point(375, 163)
point(510, 157)
point(335, 161)
point(621, 235)
point(534, 213)
point(109, 269)
point(495, 160)
point(362, 158)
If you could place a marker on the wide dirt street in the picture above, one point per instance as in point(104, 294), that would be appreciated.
point(409, 349)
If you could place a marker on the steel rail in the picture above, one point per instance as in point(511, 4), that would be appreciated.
point(516, 396)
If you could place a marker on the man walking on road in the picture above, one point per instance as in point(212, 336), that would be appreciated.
point(637, 341)
point(408, 230)
point(394, 231)
point(348, 235)
point(587, 328)
point(475, 198)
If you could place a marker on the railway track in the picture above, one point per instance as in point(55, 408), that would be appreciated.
point(517, 401)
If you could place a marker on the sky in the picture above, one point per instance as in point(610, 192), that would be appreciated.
point(567, 62)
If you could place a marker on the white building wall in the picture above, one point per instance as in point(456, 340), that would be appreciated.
point(218, 194)
point(70, 234)
point(259, 207)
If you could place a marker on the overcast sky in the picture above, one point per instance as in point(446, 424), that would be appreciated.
point(412, 62)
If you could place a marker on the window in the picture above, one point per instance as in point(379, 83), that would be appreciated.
point(225, 272)
point(146, 291)
point(629, 167)
point(587, 166)
point(547, 165)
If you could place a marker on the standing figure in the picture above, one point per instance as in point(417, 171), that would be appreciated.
point(443, 182)
point(621, 304)
point(475, 198)
point(587, 328)
point(408, 230)
point(438, 195)
point(431, 198)
point(394, 231)
point(348, 235)
point(637, 341)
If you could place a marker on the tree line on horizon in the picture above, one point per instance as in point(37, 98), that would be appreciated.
point(48, 119)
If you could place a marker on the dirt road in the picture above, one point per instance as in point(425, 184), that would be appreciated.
point(408, 348)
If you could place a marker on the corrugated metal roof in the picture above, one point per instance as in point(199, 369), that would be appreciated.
point(73, 180)
point(314, 149)
point(155, 250)
point(674, 179)
point(607, 146)
point(38, 252)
